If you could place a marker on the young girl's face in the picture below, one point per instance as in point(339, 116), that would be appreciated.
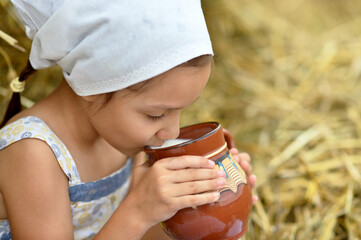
point(132, 120)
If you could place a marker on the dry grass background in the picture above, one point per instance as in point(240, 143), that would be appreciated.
point(286, 83)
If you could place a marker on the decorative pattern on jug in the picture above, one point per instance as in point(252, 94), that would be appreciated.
point(235, 176)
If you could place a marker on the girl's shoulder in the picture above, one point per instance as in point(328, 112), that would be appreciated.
point(28, 155)
point(23, 135)
point(27, 127)
point(31, 184)
point(19, 143)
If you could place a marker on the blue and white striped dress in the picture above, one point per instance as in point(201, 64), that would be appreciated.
point(92, 203)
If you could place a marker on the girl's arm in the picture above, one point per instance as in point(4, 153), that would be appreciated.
point(156, 231)
point(35, 192)
point(159, 191)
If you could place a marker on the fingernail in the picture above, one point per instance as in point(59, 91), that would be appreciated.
point(211, 163)
point(216, 195)
point(221, 182)
point(245, 164)
point(221, 173)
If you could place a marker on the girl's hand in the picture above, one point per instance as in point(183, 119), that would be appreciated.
point(172, 184)
point(244, 161)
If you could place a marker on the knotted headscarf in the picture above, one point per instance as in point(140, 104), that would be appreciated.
point(104, 46)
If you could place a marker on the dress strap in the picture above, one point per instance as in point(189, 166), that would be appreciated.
point(34, 127)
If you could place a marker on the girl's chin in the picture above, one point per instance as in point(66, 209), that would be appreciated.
point(132, 152)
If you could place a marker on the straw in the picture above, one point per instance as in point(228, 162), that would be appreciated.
point(286, 84)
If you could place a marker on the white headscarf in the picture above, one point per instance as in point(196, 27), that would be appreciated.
point(104, 46)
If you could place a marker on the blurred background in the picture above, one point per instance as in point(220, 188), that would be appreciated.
point(286, 83)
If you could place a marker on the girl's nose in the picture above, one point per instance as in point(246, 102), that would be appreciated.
point(173, 131)
point(171, 128)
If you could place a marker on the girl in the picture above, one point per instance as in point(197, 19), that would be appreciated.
point(69, 166)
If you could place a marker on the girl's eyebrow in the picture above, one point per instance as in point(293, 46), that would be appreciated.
point(165, 107)
point(168, 107)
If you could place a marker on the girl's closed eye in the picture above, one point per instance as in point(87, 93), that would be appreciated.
point(155, 118)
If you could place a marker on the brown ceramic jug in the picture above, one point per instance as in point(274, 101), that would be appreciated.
point(225, 219)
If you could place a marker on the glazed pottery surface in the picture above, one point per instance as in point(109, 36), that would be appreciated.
point(225, 219)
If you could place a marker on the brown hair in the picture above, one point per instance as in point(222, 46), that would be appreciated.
point(15, 104)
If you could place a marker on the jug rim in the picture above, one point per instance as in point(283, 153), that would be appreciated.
point(217, 124)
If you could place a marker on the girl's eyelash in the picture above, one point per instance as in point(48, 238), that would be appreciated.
point(155, 118)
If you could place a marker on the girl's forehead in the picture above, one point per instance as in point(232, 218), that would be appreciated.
point(148, 85)
point(174, 85)
point(178, 87)
point(188, 68)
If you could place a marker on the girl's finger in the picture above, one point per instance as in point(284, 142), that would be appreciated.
point(183, 162)
point(254, 199)
point(234, 151)
point(195, 174)
point(197, 187)
point(197, 199)
point(252, 180)
point(246, 167)
point(245, 157)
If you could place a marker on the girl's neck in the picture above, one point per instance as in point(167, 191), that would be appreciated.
point(66, 114)
point(72, 112)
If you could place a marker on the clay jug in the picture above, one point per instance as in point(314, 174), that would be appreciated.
point(225, 219)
